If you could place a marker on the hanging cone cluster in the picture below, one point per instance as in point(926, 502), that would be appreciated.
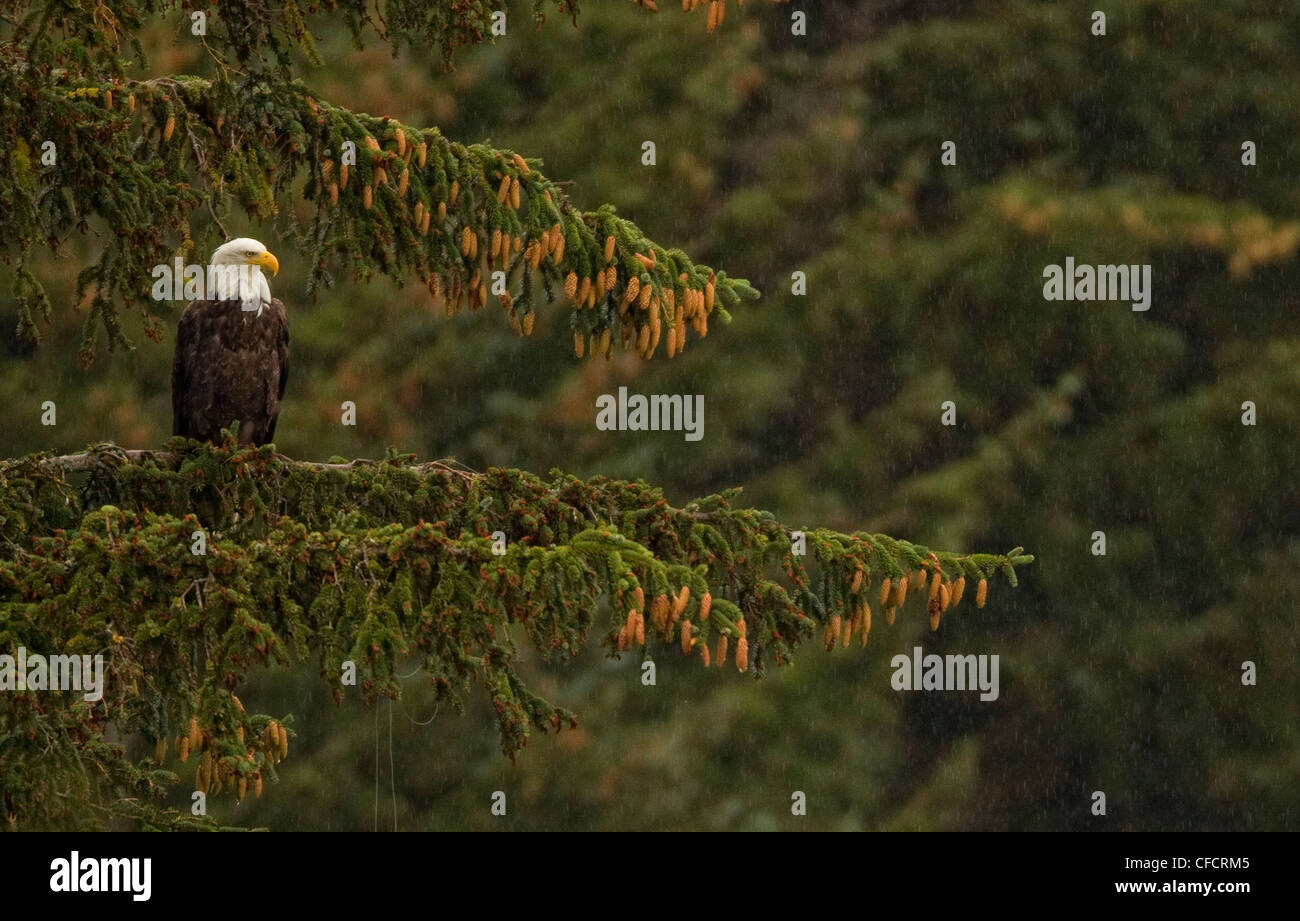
point(233, 767)
point(849, 610)
point(717, 9)
point(941, 581)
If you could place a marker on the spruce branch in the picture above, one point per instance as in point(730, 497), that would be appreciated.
point(373, 562)
point(149, 162)
point(412, 204)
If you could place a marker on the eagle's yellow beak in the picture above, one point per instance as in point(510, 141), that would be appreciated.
point(267, 261)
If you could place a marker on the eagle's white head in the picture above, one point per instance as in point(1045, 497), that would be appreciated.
point(236, 273)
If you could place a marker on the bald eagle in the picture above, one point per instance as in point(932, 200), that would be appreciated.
point(232, 351)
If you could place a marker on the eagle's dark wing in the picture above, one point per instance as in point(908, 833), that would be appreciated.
point(182, 361)
point(282, 353)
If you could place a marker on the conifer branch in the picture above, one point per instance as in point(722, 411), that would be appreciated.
point(413, 204)
point(148, 160)
point(372, 562)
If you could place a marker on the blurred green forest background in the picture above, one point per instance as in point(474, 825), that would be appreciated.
point(779, 153)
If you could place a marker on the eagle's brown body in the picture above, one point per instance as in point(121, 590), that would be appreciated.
point(230, 364)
